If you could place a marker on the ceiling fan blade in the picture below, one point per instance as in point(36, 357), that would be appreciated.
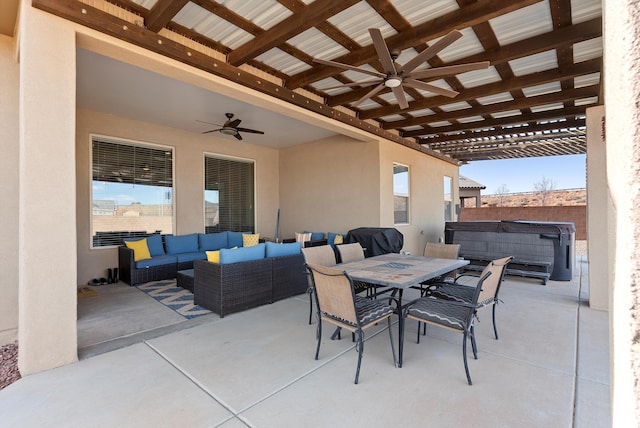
point(449, 70)
point(348, 67)
point(431, 51)
point(401, 97)
point(430, 88)
point(213, 130)
point(232, 123)
point(345, 85)
point(383, 51)
point(238, 136)
point(252, 131)
point(370, 94)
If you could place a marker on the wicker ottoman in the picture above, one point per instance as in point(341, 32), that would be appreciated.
point(184, 279)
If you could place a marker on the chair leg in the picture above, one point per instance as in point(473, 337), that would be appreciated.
point(310, 305)
point(464, 356)
point(495, 329)
point(393, 349)
point(318, 336)
point(474, 347)
point(360, 348)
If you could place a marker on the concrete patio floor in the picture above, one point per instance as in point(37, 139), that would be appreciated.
point(550, 368)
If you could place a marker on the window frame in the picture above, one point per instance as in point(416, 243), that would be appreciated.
point(402, 195)
point(128, 142)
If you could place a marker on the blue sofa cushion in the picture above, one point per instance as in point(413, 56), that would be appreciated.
point(155, 245)
point(156, 261)
point(316, 236)
point(181, 243)
point(189, 257)
point(213, 241)
point(235, 239)
point(228, 255)
point(277, 250)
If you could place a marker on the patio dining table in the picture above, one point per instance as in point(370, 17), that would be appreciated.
point(399, 272)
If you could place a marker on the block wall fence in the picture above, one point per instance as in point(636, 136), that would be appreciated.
point(575, 213)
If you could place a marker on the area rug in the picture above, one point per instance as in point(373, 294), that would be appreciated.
point(173, 297)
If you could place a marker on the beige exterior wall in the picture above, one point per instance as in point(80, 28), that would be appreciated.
point(329, 186)
point(189, 150)
point(9, 182)
point(622, 83)
point(47, 216)
point(333, 185)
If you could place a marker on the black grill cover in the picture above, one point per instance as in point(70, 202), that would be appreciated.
point(377, 240)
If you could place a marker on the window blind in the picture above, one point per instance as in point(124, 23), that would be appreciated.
point(232, 181)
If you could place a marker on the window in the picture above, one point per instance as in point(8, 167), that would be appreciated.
point(400, 194)
point(448, 202)
point(229, 197)
point(131, 190)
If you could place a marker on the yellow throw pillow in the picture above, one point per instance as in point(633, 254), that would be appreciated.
point(338, 239)
point(140, 249)
point(213, 256)
point(249, 240)
point(303, 237)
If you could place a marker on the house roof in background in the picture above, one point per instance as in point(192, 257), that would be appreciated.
point(467, 183)
point(545, 62)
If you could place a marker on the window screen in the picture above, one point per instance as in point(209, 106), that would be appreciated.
point(400, 194)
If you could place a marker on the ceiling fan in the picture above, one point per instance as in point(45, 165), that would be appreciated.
point(397, 76)
point(230, 127)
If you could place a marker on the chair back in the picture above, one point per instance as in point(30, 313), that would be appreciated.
point(491, 285)
point(322, 255)
point(441, 251)
point(334, 293)
point(350, 252)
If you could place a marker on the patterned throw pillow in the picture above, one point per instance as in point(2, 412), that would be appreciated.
point(213, 256)
point(250, 240)
point(140, 249)
point(303, 237)
point(338, 240)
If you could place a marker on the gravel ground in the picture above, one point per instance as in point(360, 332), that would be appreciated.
point(9, 353)
point(8, 365)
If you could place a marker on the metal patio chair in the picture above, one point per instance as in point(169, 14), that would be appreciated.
point(336, 303)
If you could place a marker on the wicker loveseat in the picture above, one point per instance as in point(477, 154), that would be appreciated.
point(170, 254)
point(225, 288)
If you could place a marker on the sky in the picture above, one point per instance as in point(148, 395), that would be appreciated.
point(520, 175)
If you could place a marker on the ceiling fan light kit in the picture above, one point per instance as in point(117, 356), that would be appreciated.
point(396, 76)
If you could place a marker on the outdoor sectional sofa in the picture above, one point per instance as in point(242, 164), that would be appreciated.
point(170, 254)
point(241, 278)
point(249, 277)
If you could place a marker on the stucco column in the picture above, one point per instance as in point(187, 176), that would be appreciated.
point(598, 210)
point(622, 95)
point(9, 190)
point(47, 224)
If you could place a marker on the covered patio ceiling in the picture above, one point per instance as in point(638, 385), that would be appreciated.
point(545, 62)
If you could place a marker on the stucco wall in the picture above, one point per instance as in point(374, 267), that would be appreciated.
point(338, 184)
point(621, 37)
point(189, 150)
point(9, 85)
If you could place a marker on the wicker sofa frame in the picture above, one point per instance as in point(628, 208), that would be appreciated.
point(129, 273)
point(235, 287)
